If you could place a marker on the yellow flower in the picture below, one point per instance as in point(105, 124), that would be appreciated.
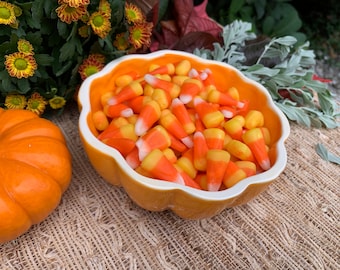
point(70, 14)
point(105, 8)
point(15, 101)
point(100, 24)
point(140, 34)
point(121, 42)
point(17, 10)
point(57, 102)
point(25, 46)
point(7, 13)
point(36, 103)
point(89, 67)
point(20, 65)
point(133, 13)
point(75, 3)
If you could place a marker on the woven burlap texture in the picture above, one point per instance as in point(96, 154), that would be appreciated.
point(294, 224)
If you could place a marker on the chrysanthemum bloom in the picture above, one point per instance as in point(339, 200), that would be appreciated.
point(36, 103)
point(89, 67)
point(70, 14)
point(75, 3)
point(57, 102)
point(121, 42)
point(20, 65)
point(7, 13)
point(100, 24)
point(17, 10)
point(15, 101)
point(133, 13)
point(98, 57)
point(25, 46)
point(84, 31)
point(105, 8)
point(140, 34)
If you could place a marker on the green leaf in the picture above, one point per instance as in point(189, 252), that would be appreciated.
point(44, 59)
point(326, 155)
point(23, 86)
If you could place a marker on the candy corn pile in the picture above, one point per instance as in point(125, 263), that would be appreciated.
point(174, 124)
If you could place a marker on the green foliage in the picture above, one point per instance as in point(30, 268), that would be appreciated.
point(326, 155)
point(275, 18)
point(289, 81)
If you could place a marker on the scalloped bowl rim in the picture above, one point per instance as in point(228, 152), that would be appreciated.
point(222, 195)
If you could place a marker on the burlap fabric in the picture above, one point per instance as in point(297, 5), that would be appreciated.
point(294, 224)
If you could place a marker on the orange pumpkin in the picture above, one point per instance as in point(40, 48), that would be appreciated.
point(35, 170)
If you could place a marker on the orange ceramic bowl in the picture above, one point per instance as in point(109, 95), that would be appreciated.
point(158, 195)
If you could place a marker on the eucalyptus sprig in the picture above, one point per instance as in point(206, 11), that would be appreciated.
point(290, 80)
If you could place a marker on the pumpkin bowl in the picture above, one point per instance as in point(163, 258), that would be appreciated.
point(159, 195)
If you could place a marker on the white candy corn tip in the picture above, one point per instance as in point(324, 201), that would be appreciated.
point(185, 98)
point(150, 79)
point(112, 101)
point(240, 105)
point(140, 127)
point(227, 114)
point(126, 112)
point(187, 141)
point(143, 149)
point(265, 164)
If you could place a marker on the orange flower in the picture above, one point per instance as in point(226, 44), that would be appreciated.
point(70, 14)
point(140, 34)
point(75, 3)
point(98, 57)
point(20, 65)
point(121, 42)
point(133, 13)
point(100, 24)
point(89, 67)
point(36, 103)
point(83, 31)
point(105, 8)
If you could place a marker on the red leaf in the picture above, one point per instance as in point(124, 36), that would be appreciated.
point(191, 28)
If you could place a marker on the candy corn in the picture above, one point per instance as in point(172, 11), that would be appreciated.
point(170, 87)
point(255, 141)
point(217, 161)
point(179, 110)
point(239, 150)
point(210, 116)
point(189, 89)
point(183, 67)
point(200, 151)
point(129, 91)
point(100, 120)
point(156, 137)
point(214, 138)
point(160, 167)
point(233, 174)
point(253, 119)
point(216, 96)
point(169, 121)
point(149, 115)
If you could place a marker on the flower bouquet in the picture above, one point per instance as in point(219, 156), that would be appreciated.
point(48, 47)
